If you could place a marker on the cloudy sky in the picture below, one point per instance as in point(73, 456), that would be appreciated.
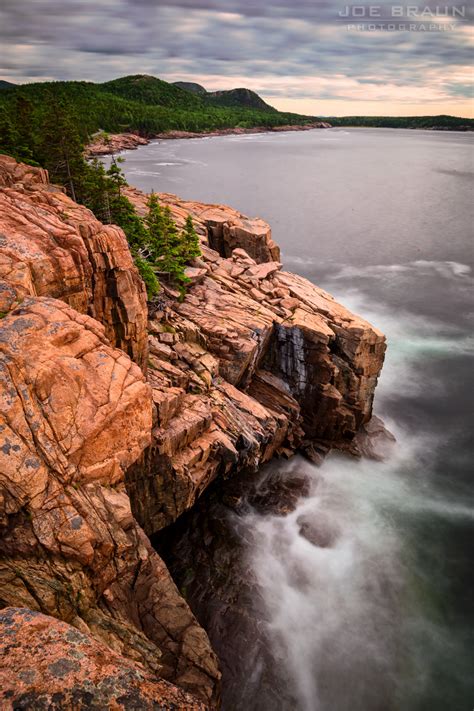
point(300, 55)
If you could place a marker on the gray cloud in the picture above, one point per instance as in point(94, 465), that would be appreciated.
point(202, 40)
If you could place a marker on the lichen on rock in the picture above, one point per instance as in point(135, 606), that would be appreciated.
point(48, 664)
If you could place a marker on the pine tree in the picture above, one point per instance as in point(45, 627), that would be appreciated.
point(61, 148)
point(190, 244)
point(173, 257)
point(155, 225)
point(8, 134)
point(115, 173)
point(96, 191)
point(24, 122)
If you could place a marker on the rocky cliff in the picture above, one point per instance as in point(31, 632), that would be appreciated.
point(71, 670)
point(76, 413)
point(254, 363)
point(50, 246)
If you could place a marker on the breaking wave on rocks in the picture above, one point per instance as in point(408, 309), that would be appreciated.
point(348, 581)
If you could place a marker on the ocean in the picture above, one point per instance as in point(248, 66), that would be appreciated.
point(380, 617)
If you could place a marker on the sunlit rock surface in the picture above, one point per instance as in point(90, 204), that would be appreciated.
point(76, 413)
point(256, 362)
point(47, 664)
point(51, 246)
point(223, 228)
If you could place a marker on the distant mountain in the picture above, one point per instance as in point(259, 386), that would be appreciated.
point(6, 84)
point(245, 98)
point(190, 86)
point(238, 97)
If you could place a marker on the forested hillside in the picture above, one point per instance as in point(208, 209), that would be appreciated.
point(440, 123)
point(143, 104)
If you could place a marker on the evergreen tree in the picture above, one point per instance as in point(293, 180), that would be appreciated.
point(8, 134)
point(163, 238)
point(96, 189)
point(116, 176)
point(148, 275)
point(190, 245)
point(25, 133)
point(61, 148)
point(173, 257)
point(156, 228)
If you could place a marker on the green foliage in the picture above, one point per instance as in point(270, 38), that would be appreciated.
point(169, 249)
point(49, 123)
point(238, 97)
point(191, 248)
point(148, 275)
point(151, 90)
point(147, 105)
point(166, 245)
point(446, 123)
point(58, 145)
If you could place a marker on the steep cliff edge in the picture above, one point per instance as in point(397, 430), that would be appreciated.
point(255, 362)
point(222, 228)
point(75, 414)
point(51, 246)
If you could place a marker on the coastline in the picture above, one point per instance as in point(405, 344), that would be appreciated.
point(162, 402)
point(130, 141)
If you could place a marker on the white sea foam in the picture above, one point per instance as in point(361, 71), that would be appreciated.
point(136, 171)
point(446, 269)
point(340, 611)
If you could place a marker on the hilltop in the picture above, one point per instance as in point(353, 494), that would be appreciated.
point(191, 86)
point(145, 105)
point(240, 97)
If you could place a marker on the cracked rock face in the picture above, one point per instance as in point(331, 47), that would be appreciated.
point(48, 664)
point(223, 228)
point(50, 246)
point(255, 362)
point(76, 413)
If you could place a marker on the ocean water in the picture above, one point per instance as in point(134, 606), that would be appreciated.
point(373, 611)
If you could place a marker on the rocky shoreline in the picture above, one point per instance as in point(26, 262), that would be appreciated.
point(117, 417)
point(114, 143)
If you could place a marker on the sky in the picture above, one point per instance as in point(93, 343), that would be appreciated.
point(299, 55)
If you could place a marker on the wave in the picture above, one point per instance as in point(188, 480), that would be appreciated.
point(445, 269)
point(448, 269)
point(135, 171)
point(335, 580)
point(345, 604)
